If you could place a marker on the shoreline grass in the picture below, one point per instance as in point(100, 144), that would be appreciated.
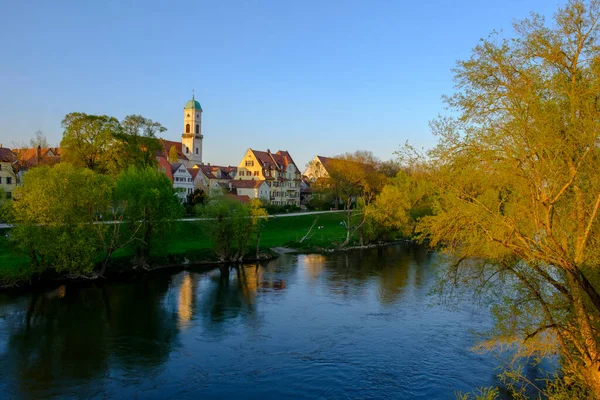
point(188, 240)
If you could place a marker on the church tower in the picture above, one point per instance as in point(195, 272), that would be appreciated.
point(191, 139)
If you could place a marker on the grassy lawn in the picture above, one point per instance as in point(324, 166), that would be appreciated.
point(275, 232)
point(189, 239)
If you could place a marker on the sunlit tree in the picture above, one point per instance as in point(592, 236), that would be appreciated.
point(518, 188)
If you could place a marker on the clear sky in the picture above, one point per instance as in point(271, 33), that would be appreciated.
point(311, 77)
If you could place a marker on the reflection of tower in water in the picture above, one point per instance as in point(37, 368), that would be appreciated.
point(313, 264)
point(186, 298)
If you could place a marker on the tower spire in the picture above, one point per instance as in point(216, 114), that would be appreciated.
point(193, 92)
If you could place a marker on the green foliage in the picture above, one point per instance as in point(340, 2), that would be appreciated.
point(229, 226)
point(518, 190)
point(196, 197)
point(88, 140)
point(54, 211)
point(136, 143)
point(277, 209)
point(484, 393)
point(146, 197)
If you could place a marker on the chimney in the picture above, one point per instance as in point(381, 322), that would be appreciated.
point(268, 151)
point(39, 152)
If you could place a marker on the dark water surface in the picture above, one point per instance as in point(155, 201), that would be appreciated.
point(352, 325)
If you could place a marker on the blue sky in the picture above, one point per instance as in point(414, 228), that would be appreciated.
point(312, 77)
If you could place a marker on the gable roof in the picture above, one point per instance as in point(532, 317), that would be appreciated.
point(279, 160)
point(166, 147)
point(193, 172)
point(212, 171)
point(177, 166)
point(325, 161)
point(165, 167)
point(6, 155)
point(246, 184)
point(28, 157)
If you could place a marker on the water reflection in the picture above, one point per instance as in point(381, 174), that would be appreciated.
point(301, 325)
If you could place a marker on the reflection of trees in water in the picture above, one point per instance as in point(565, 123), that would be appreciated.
point(229, 296)
point(394, 268)
point(142, 328)
point(62, 335)
point(233, 294)
point(69, 335)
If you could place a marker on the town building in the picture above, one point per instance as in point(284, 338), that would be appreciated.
point(214, 179)
point(8, 175)
point(183, 181)
point(253, 189)
point(318, 168)
point(278, 170)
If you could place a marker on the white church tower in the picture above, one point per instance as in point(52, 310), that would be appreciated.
point(191, 139)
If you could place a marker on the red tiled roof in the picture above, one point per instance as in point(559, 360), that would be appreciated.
point(165, 167)
point(166, 147)
point(210, 170)
point(279, 160)
point(6, 155)
point(193, 172)
point(28, 157)
point(246, 184)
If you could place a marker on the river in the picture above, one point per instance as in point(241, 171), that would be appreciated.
point(358, 325)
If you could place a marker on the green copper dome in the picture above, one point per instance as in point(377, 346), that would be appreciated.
point(192, 104)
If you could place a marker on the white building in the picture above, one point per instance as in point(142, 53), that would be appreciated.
point(183, 181)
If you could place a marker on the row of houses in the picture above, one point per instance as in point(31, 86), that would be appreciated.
point(15, 162)
point(271, 176)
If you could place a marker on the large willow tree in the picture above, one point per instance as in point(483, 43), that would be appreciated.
point(517, 171)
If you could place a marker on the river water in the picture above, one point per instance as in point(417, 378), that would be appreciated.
point(355, 325)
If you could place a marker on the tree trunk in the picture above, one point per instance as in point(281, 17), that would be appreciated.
point(258, 242)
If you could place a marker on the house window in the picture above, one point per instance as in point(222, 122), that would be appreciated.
point(197, 128)
point(255, 173)
point(187, 150)
point(196, 150)
point(9, 181)
point(187, 128)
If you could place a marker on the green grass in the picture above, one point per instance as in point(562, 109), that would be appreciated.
point(189, 240)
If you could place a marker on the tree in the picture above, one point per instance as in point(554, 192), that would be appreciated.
point(173, 155)
point(389, 168)
point(518, 189)
point(38, 139)
point(146, 197)
point(54, 211)
point(138, 142)
point(196, 197)
point(355, 179)
point(230, 226)
point(259, 215)
point(88, 140)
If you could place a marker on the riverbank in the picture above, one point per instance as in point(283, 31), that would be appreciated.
point(188, 245)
